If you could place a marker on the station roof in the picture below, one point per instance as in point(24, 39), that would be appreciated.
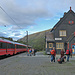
point(49, 36)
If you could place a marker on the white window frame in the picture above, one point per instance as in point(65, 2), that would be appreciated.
point(62, 33)
point(50, 45)
point(59, 45)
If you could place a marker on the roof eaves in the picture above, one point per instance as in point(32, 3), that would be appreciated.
point(61, 20)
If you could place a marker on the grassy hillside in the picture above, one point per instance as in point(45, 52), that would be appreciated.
point(36, 40)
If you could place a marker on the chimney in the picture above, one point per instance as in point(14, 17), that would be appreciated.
point(70, 9)
point(60, 18)
point(64, 13)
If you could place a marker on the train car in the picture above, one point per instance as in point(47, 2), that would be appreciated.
point(9, 47)
point(20, 47)
point(6, 47)
point(2, 47)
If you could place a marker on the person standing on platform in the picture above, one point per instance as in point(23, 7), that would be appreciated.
point(62, 53)
point(71, 53)
point(32, 51)
point(53, 53)
point(68, 54)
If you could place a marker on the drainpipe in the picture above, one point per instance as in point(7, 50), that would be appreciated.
point(68, 45)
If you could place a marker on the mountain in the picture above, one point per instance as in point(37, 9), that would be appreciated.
point(36, 40)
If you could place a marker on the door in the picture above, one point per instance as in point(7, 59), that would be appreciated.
point(73, 49)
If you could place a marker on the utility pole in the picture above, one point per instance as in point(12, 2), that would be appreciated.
point(27, 39)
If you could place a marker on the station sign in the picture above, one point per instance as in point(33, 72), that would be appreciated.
point(58, 38)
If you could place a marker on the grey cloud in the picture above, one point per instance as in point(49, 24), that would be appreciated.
point(3, 34)
point(15, 31)
point(17, 34)
point(24, 16)
point(29, 11)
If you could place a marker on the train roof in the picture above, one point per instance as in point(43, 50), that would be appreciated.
point(5, 40)
point(19, 44)
point(8, 41)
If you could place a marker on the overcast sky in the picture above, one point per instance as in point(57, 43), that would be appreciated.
point(19, 16)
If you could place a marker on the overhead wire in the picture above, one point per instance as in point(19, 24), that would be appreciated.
point(9, 16)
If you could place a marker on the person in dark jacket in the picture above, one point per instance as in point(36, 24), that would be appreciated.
point(35, 52)
point(62, 53)
point(60, 60)
point(71, 53)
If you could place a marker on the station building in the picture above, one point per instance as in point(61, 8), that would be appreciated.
point(62, 35)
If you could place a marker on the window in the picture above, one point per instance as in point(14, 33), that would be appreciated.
point(50, 45)
point(59, 45)
point(62, 32)
point(2, 45)
point(17, 46)
point(8, 45)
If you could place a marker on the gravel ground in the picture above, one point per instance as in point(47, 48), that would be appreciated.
point(35, 65)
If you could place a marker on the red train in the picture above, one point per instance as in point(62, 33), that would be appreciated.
point(9, 48)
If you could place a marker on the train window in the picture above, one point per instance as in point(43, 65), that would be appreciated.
point(19, 46)
point(23, 46)
point(10, 45)
point(2, 45)
point(16, 46)
point(13, 46)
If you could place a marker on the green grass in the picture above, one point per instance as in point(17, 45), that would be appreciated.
point(36, 40)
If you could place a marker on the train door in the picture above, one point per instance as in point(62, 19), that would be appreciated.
point(6, 47)
point(73, 49)
point(15, 48)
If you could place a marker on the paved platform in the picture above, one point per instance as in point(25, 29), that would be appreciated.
point(35, 65)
